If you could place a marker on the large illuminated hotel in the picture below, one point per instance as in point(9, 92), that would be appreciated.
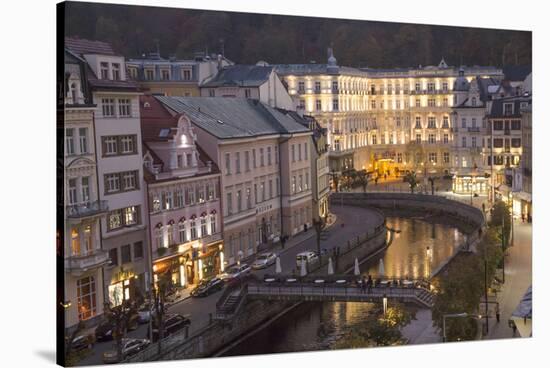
point(385, 120)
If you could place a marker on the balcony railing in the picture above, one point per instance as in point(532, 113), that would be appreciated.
point(86, 209)
point(81, 263)
point(474, 129)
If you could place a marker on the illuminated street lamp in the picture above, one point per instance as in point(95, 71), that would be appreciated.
point(385, 304)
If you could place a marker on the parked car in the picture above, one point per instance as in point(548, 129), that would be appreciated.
point(145, 312)
point(207, 287)
point(264, 260)
point(104, 331)
point(172, 323)
point(235, 272)
point(82, 342)
point(309, 257)
point(129, 347)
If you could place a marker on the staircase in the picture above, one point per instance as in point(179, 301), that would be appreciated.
point(425, 298)
point(230, 303)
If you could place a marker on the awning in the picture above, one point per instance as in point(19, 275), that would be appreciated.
point(523, 315)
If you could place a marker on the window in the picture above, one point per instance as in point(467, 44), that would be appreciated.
point(237, 162)
point(270, 188)
point(445, 102)
point(464, 142)
point(125, 254)
point(431, 122)
point(181, 232)
point(305, 151)
point(399, 158)
point(83, 138)
point(431, 102)
point(131, 215)
point(299, 151)
point(210, 190)
point(124, 107)
point(165, 74)
point(112, 183)
point(508, 109)
point(294, 184)
point(317, 87)
point(301, 87)
point(211, 92)
point(104, 67)
point(307, 182)
point(256, 197)
point(276, 186)
point(445, 138)
point(149, 74)
point(269, 156)
point(432, 157)
point(69, 141)
point(128, 144)
point(335, 104)
point(474, 142)
point(417, 87)
point(293, 149)
point(431, 138)
point(418, 138)
point(72, 191)
point(445, 122)
point(262, 188)
point(113, 256)
point(86, 298)
point(261, 157)
point(108, 106)
point(446, 157)
point(138, 249)
point(116, 71)
point(498, 143)
point(516, 125)
point(229, 204)
point(246, 161)
point(474, 123)
point(464, 122)
point(129, 180)
point(238, 199)
point(227, 164)
point(318, 105)
point(248, 199)
point(334, 86)
point(115, 219)
point(247, 93)
point(498, 125)
point(373, 104)
point(85, 188)
point(110, 146)
point(212, 224)
point(418, 122)
point(516, 142)
point(445, 86)
point(193, 226)
point(186, 73)
point(204, 232)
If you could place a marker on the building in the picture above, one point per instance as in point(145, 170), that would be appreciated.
point(524, 195)
point(183, 193)
point(173, 77)
point(469, 128)
point(386, 121)
point(259, 82)
point(120, 184)
point(84, 210)
point(265, 163)
point(503, 150)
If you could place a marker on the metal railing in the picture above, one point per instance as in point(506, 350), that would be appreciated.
point(86, 209)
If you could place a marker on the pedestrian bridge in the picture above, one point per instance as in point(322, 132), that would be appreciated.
point(340, 292)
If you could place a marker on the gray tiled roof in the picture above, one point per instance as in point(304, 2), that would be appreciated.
point(228, 118)
point(240, 75)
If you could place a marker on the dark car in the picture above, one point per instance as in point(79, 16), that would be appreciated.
point(82, 342)
point(104, 331)
point(172, 323)
point(129, 348)
point(207, 287)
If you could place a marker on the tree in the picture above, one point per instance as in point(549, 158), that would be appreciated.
point(120, 317)
point(411, 179)
point(335, 180)
point(500, 214)
point(164, 284)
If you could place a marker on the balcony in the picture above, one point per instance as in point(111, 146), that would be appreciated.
point(86, 209)
point(209, 239)
point(79, 264)
point(474, 130)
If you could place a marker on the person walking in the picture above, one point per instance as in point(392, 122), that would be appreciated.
point(523, 217)
point(369, 284)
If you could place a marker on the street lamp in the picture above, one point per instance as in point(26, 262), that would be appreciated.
point(385, 304)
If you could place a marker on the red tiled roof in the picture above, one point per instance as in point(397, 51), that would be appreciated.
point(82, 46)
point(154, 118)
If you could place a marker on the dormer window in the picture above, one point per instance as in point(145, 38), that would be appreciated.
point(508, 109)
point(116, 71)
point(149, 74)
point(104, 70)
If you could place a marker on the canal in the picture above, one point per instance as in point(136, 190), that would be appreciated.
point(318, 326)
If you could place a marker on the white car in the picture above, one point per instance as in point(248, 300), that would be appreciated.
point(264, 260)
point(308, 257)
point(235, 272)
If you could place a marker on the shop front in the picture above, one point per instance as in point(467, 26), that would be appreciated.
point(467, 184)
point(126, 285)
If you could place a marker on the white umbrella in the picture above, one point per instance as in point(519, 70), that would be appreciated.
point(381, 268)
point(330, 268)
point(303, 270)
point(278, 265)
point(356, 270)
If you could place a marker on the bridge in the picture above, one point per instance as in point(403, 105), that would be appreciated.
point(336, 288)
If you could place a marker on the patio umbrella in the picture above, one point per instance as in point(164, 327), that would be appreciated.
point(356, 270)
point(330, 268)
point(278, 265)
point(381, 268)
point(303, 270)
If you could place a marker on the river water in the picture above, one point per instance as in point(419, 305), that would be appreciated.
point(319, 325)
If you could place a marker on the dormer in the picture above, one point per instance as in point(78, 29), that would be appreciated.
point(107, 67)
point(74, 94)
point(183, 153)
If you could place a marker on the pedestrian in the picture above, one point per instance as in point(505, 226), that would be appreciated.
point(514, 328)
point(497, 313)
point(529, 219)
point(523, 217)
point(369, 284)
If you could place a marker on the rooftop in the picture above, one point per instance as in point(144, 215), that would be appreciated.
point(81, 46)
point(240, 75)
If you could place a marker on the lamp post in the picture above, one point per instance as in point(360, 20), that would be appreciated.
point(385, 304)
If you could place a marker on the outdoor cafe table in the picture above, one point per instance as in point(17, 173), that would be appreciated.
point(290, 280)
point(319, 281)
point(340, 281)
point(269, 280)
